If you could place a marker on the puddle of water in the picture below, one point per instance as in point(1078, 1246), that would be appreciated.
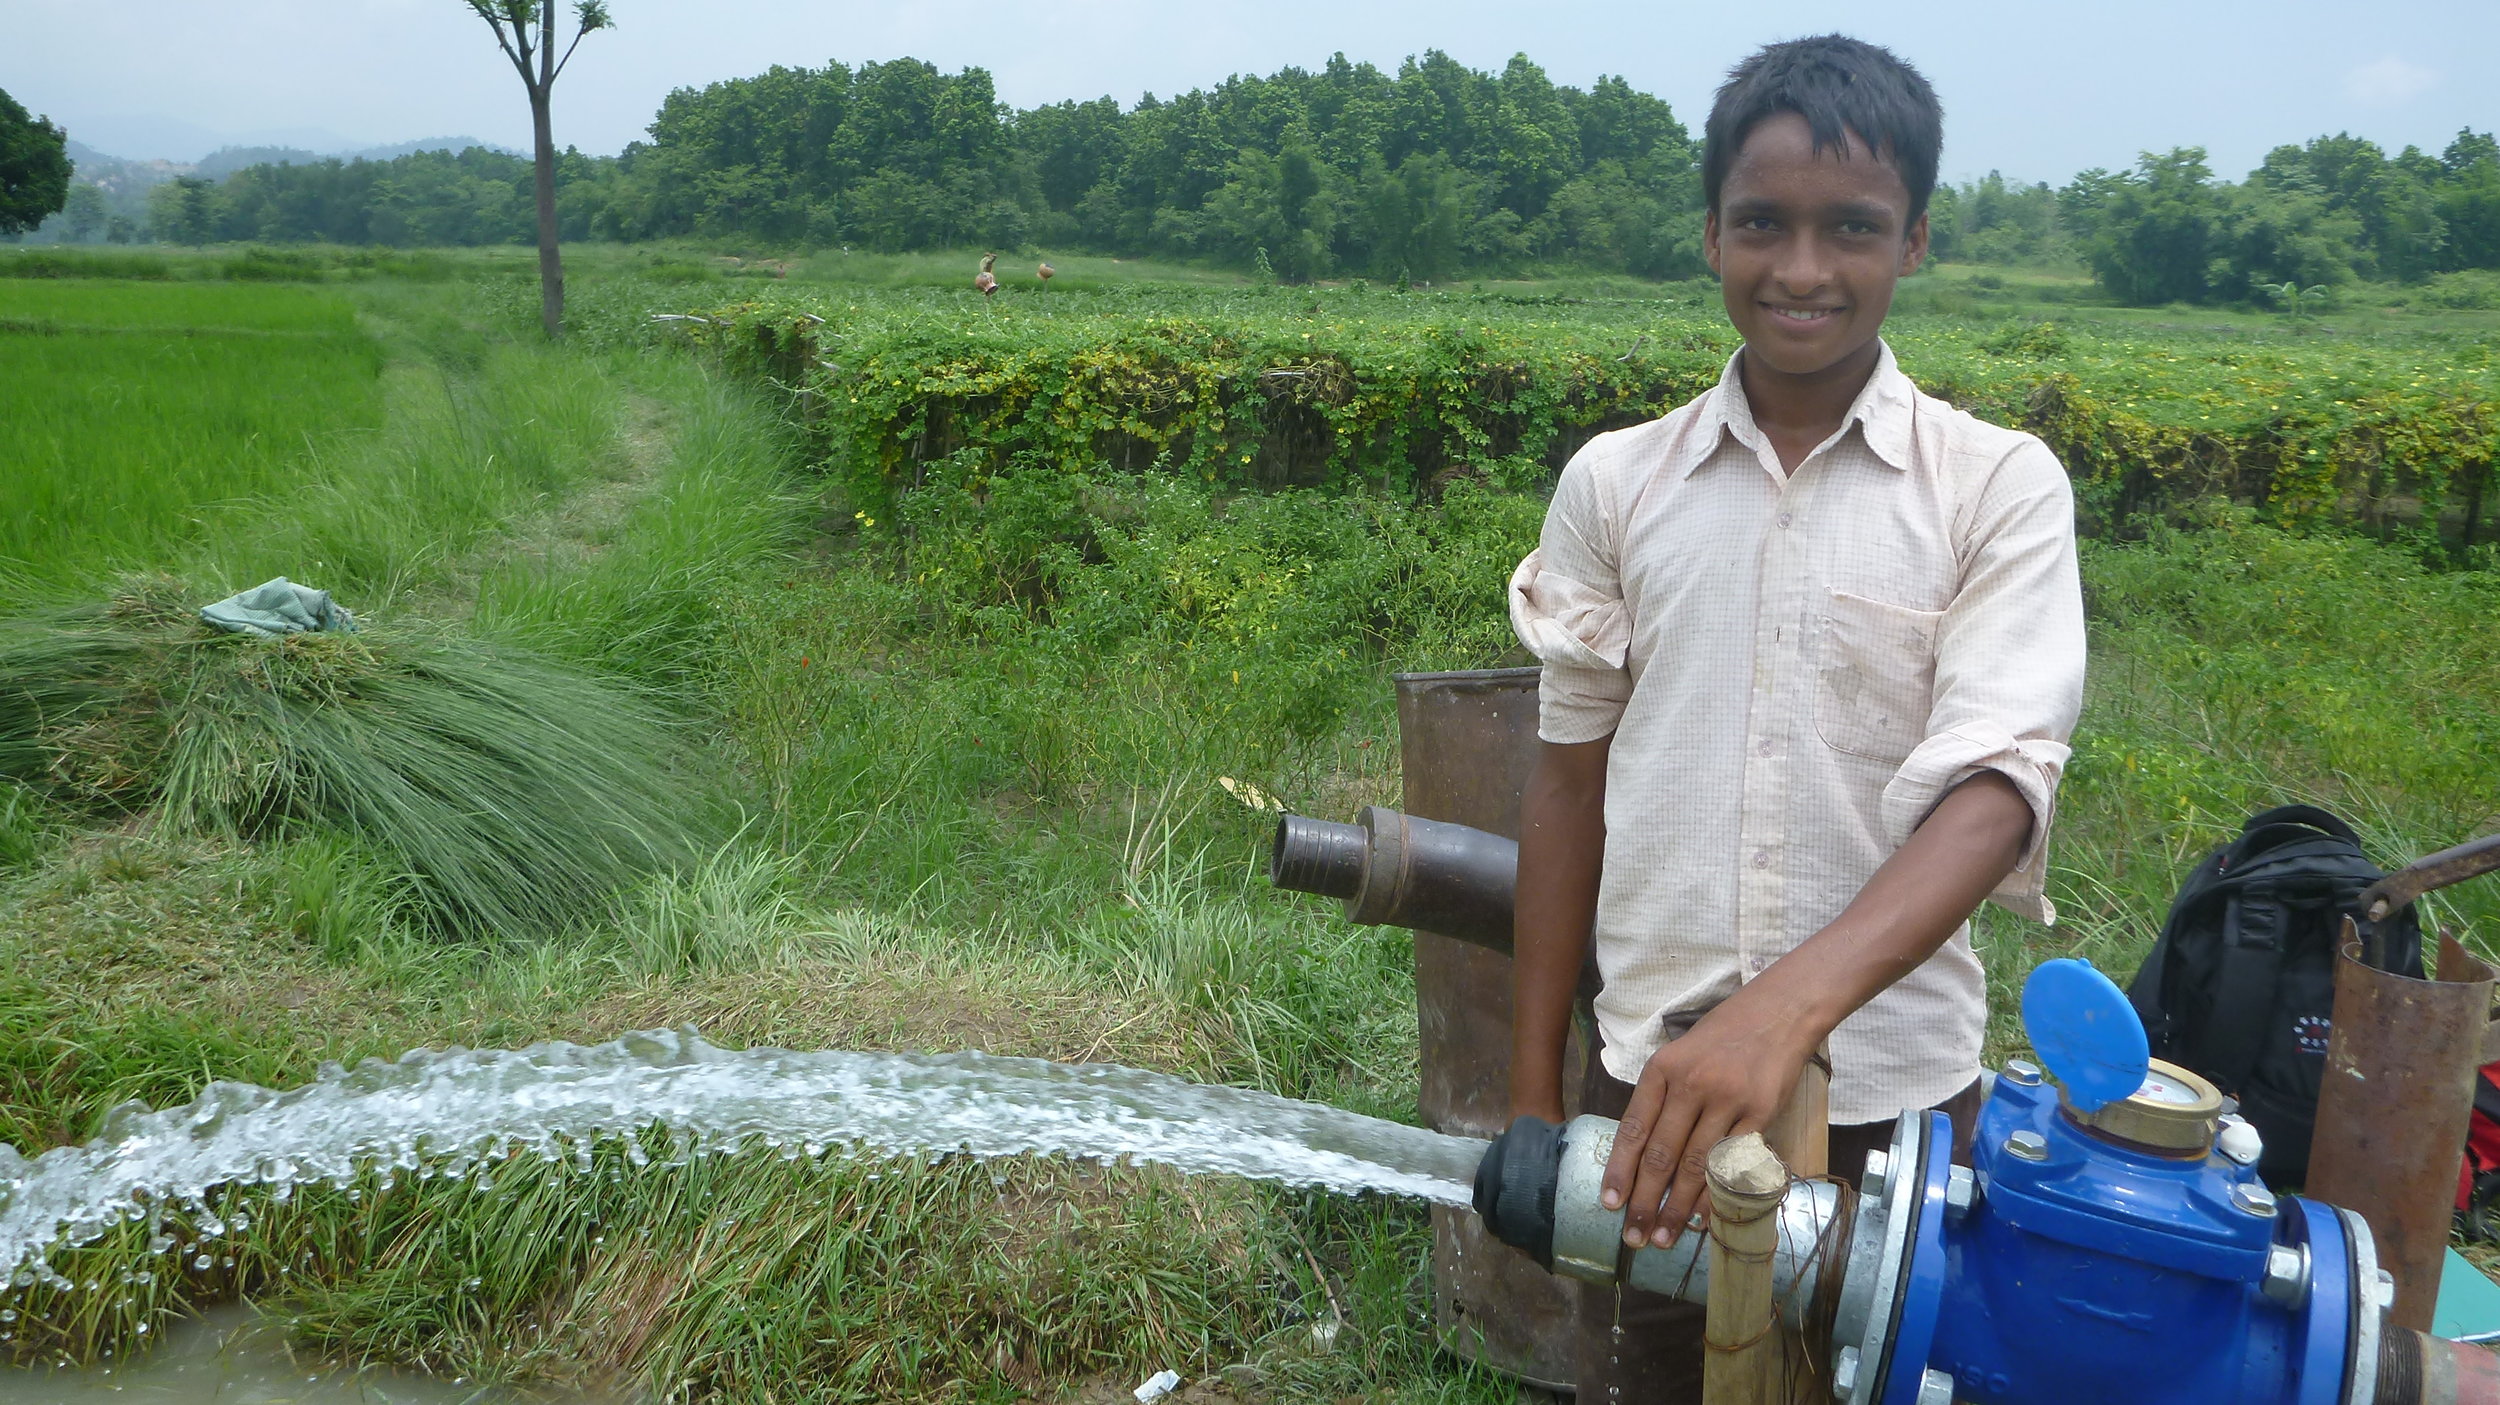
point(233, 1357)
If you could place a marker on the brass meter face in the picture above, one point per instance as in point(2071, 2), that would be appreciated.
point(2174, 1112)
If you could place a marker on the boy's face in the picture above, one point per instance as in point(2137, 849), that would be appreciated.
point(1808, 245)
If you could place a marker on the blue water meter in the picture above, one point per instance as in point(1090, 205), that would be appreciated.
point(2111, 1214)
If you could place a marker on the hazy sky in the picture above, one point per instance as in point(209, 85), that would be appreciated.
point(2036, 90)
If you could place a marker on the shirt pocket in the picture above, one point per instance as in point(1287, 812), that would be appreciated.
point(1875, 676)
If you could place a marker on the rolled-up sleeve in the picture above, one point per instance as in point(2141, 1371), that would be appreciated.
point(2009, 664)
point(1567, 606)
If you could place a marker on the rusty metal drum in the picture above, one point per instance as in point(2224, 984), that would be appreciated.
point(1467, 742)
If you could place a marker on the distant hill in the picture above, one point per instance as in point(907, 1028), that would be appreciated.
point(455, 144)
point(126, 181)
point(225, 161)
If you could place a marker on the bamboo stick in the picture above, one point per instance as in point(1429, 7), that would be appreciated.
point(1744, 1355)
point(1801, 1134)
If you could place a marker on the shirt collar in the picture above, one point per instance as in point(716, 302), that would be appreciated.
point(1881, 412)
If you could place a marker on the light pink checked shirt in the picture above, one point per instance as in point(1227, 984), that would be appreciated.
point(1796, 668)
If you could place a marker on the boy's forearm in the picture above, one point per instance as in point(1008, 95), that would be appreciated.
point(1738, 1065)
point(1908, 910)
point(1562, 840)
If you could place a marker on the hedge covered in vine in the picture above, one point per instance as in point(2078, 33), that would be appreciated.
point(1404, 392)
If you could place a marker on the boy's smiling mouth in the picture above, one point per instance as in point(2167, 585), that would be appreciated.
point(1802, 314)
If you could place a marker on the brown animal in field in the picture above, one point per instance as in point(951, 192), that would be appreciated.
point(986, 281)
point(1045, 272)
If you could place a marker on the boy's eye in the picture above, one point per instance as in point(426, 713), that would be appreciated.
point(1759, 222)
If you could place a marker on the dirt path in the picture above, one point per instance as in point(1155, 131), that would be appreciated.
point(559, 536)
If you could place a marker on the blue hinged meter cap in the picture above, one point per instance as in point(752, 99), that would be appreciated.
point(2085, 1032)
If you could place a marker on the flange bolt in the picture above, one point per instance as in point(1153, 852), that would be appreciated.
point(2030, 1146)
point(1878, 1182)
point(2022, 1072)
point(2287, 1275)
point(1935, 1388)
point(1960, 1189)
point(1845, 1371)
point(2253, 1198)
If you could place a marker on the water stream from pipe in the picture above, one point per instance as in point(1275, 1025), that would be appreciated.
point(438, 1112)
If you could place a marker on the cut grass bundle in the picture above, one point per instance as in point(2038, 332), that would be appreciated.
point(517, 794)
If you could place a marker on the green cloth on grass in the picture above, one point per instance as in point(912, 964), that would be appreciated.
point(280, 607)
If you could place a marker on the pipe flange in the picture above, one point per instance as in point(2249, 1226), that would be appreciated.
point(1919, 1300)
point(2323, 1364)
point(1869, 1315)
point(2370, 1301)
point(1858, 1272)
point(1384, 877)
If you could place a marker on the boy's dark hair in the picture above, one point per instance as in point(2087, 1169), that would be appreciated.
point(1840, 86)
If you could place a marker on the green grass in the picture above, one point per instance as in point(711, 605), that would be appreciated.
point(133, 418)
point(2237, 668)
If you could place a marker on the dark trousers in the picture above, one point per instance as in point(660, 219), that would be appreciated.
point(1655, 1358)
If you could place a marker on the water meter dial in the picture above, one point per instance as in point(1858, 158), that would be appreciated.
point(2174, 1111)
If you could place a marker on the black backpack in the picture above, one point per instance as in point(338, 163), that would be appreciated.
point(2242, 982)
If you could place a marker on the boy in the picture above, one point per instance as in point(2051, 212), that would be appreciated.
point(1813, 646)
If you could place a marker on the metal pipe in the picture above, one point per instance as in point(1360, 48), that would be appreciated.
point(1319, 856)
point(2416, 1368)
point(2392, 1111)
point(1538, 1189)
point(1398, 870)
point(2471, 859)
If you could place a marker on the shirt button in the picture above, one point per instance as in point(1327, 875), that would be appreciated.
point(1783, 519)
point(1757, 964)
point(1765, 747)
point(1762, 858)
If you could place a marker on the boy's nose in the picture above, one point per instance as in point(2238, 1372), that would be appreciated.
point(1803, 270)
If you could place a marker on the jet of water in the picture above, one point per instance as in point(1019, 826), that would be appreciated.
point(445, 1110)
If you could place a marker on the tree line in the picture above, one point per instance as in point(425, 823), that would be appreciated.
point(1349, 170)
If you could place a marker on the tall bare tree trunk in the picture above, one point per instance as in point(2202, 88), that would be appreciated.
point(550, 262)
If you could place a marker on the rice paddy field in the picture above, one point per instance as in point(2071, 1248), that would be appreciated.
point(130, 410)
point(878, 654)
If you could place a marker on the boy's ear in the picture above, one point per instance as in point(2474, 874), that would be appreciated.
point(1914, 249)
point(1710, 238)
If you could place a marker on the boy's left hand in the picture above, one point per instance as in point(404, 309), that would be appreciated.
point(1729, 1075)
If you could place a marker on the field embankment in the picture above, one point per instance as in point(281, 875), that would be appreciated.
point(959, 636)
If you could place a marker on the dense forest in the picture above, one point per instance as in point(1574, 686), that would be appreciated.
point(1435, 170)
